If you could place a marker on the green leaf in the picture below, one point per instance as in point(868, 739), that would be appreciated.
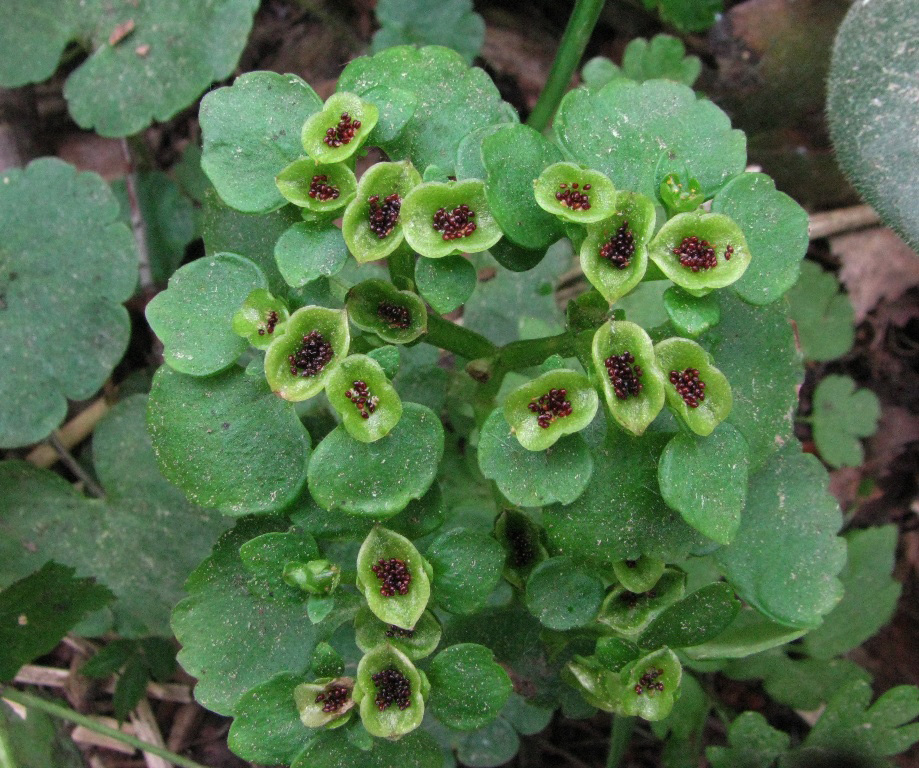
point(690, 15)
point(705, 480)
point(130, 688)
point(753, 744)
point(267, 727)
point(691, 315)
point(251, 132)
point(823, 315)
point(514, 156)
point(852, 723)
point(333, 749)
point(452, 100)
point(488, 747)
point(445, 283)
point(194, 316)
point(638, 575)
point(628, 614)
point(378, 480)
point(227, 441)
point(467, 567)
point(663, 57)
point(153, 537)
point(37, 611)
point(785, 557)
point(871, 108)
point(36, 740)
point(646, 120)
point(841, 417)
point(870, 562)
point(468, 689)
point(622, 520)
point(307, 251)
point(775, 228)
point(66, 264)
point(451, 23)
point(701, 616)
point(172, 52)
point(533, 478)
point(561, 595)
point(749, 633)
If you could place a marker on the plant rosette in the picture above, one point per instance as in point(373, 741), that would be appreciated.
point(560, 402)
point(440, 219)
point(372, 225)
point(389, 692)
point(628, 613)
point(633, 384)
point(261, 319)
point(575, 193)
point(299, 363)
point(322, 190)
point(325, 703)
point(397, 317)
point(368, 404)
point(614, 254)
point(393, 577)
point(700, 251)
point(339, 129)
point(416, 643)
point(696, 390)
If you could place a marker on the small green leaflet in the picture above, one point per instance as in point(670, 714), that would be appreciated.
point(451, 23)
point(841, 417)
point(824, 317)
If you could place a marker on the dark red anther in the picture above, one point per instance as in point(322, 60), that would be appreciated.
point(313, 354)
point(696, 254)
point(321, 190)
point(572, 198)
point(384, 216)
point(394, 576)
point(394, 316)
point(728, 252)
point(363, 398)
point(456, 223)
point(333, 698)
point(625, 378)
point(271, 322)
point(649, 681)
point(392, 688)
point(689, 386)
point(342, 133)
point(620, 248)
point(398, 632)
point(550, 407)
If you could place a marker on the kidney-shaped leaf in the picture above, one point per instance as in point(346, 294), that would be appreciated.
point(468, 689)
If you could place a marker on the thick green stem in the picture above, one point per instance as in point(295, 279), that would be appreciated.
point(65, 713)
point(619, 739)
point(574, 41)
point(7, 756)
point(456, 339)
point(530, 352)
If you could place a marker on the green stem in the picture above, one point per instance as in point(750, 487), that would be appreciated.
point(619, 740)
point(530, 352)
point(65, 713)
point(580, 26)
point(7, 756)
point(456, 339)
point(402, 269)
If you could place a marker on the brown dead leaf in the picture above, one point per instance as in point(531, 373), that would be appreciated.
point(90, 152)
point(897, 428)
point(876, 266)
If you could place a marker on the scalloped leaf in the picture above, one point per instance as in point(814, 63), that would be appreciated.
point(153, 537)
point(334, 749)
point(251, 132)
point(307, 251)
point(786, 555)
point(227, 441)
point(753, 743)
point(562, 595)
point(452, 100)
point(467, 567)
point(823, 315)
point(451, 23)
point(842, 416)
point(647, 120)
point(66, 264)
point(468, 689)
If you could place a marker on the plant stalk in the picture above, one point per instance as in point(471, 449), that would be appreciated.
point(619, 739)
point(402, 269)
point(7, 756)
point(580, 26)
point(65, 713)
point(456, 339)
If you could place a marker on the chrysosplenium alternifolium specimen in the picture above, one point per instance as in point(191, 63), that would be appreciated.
point(649, 423)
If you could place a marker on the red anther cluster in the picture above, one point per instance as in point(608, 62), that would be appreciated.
point(696, 254)
point(573, 198)
point(689, 385)
point(624, 375)
point(456, 223)
point(649, 681)
point(363, 400)
point(551, 406)
point(394, 315)
point(620, 248)
point(728, 252)
point(403, 634)
point(333, 698)
point(384, 216)
point(313, 354)
point(271, 322)
point(392, 688)
point(322, 191)
point(394, 576)
point(343, 132)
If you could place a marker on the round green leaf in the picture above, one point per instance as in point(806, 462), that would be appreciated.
point(705, 480)
point(786, 555)
point(514, 156)
point(193, 317)
point(306, 252)
point(66, 264)
point(445, 283)
point(691, 315)
point(378, 480)
point(227, 441)
point(699, 617)
point(561, 595)
point(533, 478)
point(488, 747)
point(775, 228)
point(467, 566)
point(251, 131)
point(468, 689)
point(646, 121)
point(841, 416)
point(333, 749)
